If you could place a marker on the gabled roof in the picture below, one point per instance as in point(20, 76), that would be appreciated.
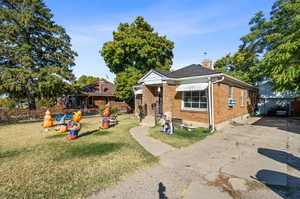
point(99, 88)
point(188, 71)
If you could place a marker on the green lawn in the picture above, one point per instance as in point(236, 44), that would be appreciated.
point(180, 137)
point(38, 164)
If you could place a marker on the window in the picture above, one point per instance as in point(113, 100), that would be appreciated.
point(194, 100)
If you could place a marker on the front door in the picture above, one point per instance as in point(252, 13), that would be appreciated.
point(160, 101)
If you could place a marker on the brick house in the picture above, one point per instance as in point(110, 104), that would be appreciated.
point(96, 95)
point(195, 94)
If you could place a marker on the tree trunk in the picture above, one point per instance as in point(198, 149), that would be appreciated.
point(31, 102)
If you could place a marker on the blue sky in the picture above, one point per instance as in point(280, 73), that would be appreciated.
point(196, 26)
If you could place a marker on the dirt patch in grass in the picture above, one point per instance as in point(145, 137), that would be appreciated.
point(39, 164)
point(181, 137)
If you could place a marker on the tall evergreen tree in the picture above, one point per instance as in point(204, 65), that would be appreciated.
point(36, 58)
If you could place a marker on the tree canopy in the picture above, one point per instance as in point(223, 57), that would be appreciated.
point(239, 65)
point(136, 49)
point(125, 81)
point(36, 58)
point(276, 42)
point(84, 80)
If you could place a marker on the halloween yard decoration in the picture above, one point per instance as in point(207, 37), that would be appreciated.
point(168, 125)
point(48, 122)
point(105, 120)
point(74, 128)
point(77, 116)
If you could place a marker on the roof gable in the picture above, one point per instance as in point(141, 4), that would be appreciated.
point(152, 77)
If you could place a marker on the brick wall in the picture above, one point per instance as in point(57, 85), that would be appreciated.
point(149, 97)
point(172, 102)
point(222, 111)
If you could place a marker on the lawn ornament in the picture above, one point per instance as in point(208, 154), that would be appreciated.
point(105, 120)
point(62, 129)
point(77, 116)
point(62, 119)
point(168, 125)
point(48, 123)
point(74, 128)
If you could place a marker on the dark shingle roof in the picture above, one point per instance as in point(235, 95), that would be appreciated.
point(99, 88)
point(190, 71)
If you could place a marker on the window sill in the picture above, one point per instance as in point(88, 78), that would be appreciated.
point(194, 110)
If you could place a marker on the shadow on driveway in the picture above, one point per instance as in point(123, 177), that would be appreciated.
point(283, 123)
point(281, 156)
point(290, 187)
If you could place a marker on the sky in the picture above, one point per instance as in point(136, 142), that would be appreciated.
point(195, 26)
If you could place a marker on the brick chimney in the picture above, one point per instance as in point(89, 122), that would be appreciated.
point(207, 63)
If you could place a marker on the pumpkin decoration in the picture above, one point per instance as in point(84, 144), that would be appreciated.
point(47, 120)
point(77, 116)
point(62, 129)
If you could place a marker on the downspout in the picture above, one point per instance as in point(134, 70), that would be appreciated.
point(211, 103)
point(210, 119)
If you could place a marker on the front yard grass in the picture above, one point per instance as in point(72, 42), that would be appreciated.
point(38, 164)
point(181, 137)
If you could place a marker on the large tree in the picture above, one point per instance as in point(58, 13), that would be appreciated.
point(137, 45)
point(277, 40)
point(36, 58)
point(135, 49)
point(124, 82)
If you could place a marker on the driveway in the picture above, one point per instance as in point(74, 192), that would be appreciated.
point(255, 159)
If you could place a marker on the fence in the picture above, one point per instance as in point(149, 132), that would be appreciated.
point(25, 114)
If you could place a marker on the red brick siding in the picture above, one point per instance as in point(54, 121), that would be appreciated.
point(222, 111)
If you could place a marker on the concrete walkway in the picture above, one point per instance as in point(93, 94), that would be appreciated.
point(154, 146)
point(246, 161)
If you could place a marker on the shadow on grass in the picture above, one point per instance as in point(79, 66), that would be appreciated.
point(94, 132)
point(9, 154)
point(88, 150)
point(57, 136)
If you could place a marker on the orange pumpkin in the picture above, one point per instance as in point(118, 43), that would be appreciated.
point(62, 129)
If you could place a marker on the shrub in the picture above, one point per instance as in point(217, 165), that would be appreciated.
point(112, 109)
point(8, 103)
point(46, 102)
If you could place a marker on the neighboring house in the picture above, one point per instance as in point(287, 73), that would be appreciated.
point(271, 101)
point(96, 95)
point(195, 94)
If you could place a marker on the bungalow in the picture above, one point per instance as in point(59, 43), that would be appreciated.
point(96, 95)
point(195, 94)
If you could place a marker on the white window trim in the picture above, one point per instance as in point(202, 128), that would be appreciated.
point(193, 109)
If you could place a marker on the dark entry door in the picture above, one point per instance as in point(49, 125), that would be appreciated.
point(160, 101)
